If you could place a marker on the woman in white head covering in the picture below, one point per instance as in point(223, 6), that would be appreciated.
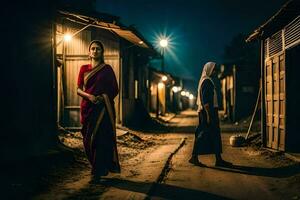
point(208, 135)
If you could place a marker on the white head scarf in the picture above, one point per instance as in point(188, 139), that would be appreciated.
point(206, 74)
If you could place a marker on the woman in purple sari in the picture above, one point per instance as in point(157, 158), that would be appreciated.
point(97, 85)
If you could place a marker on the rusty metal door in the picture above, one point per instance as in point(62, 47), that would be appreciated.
point(275, 102)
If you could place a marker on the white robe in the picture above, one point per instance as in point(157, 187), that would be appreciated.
point(206, 73)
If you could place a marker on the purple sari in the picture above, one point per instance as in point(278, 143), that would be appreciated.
point(98, 120)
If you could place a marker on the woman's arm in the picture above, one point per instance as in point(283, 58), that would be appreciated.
point(208, 112)
point(87, 96)
point(80, 91)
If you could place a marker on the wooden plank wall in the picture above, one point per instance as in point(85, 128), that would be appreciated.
point(275, 101)
point(74, 54)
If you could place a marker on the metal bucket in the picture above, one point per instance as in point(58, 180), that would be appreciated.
point(236, 140)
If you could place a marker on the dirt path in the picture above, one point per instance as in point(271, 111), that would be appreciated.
point(152, 168)
point(256, 175)
point(142, 157)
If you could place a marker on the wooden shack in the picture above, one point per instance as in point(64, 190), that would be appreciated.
point(41, 74)
point(86, 27)
point(135, 82)
point(280, 52)
point(160, 84)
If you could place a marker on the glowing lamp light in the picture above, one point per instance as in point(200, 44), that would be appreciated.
point(191, 96)
point(179, 88)
point(164, 78)
point(187, 94)
point(163, 43)
point(67, 37)
point(160, 85)
point(141, 42)
point(175, 89)
point(182, 93)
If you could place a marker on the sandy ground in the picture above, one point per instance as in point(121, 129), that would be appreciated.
point(142, 158)
point(155, 166)
point(255, 175)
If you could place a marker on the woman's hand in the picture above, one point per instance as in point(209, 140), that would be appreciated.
point(93, 99)
point(99, 99)
point(208, 114)
point(208, 119)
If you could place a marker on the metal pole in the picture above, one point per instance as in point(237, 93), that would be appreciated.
point(54, 75)
point(157, 102)
point(254, 112)
point(262, 85)
point(163, 60)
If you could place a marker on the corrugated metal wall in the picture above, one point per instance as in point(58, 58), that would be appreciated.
point(292, 33)
point(73, 55)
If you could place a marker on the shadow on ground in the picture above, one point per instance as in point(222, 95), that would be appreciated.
point(280, 172)
point(161, 190)
point(23, 179)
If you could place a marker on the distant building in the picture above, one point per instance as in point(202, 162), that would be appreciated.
point(189, 93)
point(135, 82)
point(239, 86)
point(160, 91)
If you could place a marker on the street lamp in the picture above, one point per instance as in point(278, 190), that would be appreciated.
point(163, 43)
point(164, 78)
point(161, 85)
point(175, 89)
point(67, 37)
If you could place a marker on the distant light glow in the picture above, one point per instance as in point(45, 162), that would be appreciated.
point(179, 88)
point(67, 37)
point(191, 96)
point(182, 93)
point(187, 94)
point(141, 42)
point(163, 43)
point(164, 78)
point(161, 85)
point(175, 89)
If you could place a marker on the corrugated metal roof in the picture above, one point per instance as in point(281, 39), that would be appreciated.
point(288, 12)
point(127, 33)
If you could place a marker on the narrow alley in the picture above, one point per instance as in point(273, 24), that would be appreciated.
point(104, 99)
point(155, 166)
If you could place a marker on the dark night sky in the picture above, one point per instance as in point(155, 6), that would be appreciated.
point(198, 30)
